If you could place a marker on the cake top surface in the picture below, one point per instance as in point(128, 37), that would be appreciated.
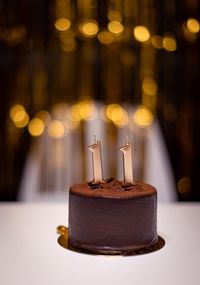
point(113, 188)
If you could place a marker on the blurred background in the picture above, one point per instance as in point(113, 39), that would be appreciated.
point(70, 69)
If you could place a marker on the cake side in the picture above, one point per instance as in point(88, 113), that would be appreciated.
point(111, 218)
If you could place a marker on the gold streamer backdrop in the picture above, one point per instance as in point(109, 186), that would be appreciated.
point(63, 62)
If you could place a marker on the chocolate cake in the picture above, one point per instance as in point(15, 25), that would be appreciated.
point(111, 218)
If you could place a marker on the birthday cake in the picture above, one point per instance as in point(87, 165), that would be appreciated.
point(111, 217)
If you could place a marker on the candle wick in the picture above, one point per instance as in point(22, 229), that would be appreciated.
point(126, 139)
point(95, 138)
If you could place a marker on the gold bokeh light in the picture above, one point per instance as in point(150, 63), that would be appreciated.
point(193, 25)
point(184, 185)
point(87, 109)
point(44, 116)
point(189, 36)
point(115, 27)
point(56, 129)
point(36, 127)
point(110, 109)
point(141, 33)
point(23, 122)
point(19, 116)
point(143, 117)
point(15, 110)
point(156, 41)
point(62, 24)
point(83, 110)
point(89, 28)
point(105, 37)
point(120, 118)
point(149, 86)
point(68, 44)
point(169, 43)
point(117, 115)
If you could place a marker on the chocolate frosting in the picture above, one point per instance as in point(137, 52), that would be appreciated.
point(113, 188)
point(112, 217)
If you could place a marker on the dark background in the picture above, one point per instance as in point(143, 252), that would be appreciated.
point(29, 45)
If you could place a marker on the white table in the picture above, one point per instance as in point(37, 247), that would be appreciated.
point(30, 254)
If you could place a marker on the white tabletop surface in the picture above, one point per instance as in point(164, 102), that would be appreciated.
point(30, 254)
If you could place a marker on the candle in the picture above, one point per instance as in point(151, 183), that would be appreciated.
point(128, 165)
point(96, 161)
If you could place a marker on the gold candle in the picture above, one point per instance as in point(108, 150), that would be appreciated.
point(96, 161)
point(128, 164)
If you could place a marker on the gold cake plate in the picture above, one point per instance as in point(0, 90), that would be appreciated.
point(63, 242)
